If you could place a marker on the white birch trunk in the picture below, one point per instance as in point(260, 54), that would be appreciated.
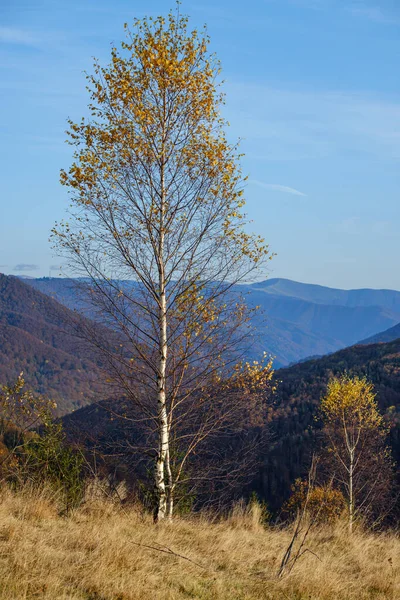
point(163, 430)
point(162, 408)
point(351, 493)
point(170, 494)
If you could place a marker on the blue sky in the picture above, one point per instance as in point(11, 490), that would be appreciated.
point(312, 86)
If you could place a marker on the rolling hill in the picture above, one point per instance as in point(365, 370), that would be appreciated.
point(296, 320)
point(37, 337)
point(389, 335)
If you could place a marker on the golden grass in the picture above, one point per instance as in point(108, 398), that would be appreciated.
point(93, 555)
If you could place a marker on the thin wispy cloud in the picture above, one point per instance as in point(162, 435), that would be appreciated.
point(372, 13)
point(314, 4)
point(358, 8)
point(55, 268)
point(303, 124)
point(277, 188)
point(12, 35)
point(26, 267)
point(358, 226)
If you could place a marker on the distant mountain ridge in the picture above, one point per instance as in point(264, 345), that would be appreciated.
point(319, 294)
point(297, 320)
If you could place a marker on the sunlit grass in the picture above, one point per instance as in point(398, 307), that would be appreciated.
point(100, 552)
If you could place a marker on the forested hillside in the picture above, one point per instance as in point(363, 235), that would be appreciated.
point(294, 423)
point(294, 429)
point(37, 336)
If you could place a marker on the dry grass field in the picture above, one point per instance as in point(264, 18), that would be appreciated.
point(103, 552)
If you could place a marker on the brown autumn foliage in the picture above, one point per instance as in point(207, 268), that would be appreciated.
point(324, 503)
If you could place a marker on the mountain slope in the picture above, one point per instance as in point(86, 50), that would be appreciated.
point(296, 320)
point(389, 335)
point(293, 423)
point(37, 337)
point(293, 426)
point(336, 324)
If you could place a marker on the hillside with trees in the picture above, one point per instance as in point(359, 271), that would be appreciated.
point(292, 428)
point(38, 337)
point(294, 419)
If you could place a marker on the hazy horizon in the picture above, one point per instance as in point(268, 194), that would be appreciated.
point(268, 279)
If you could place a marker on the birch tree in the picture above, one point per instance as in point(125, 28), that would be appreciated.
point(157, 201)
point(356, 434)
